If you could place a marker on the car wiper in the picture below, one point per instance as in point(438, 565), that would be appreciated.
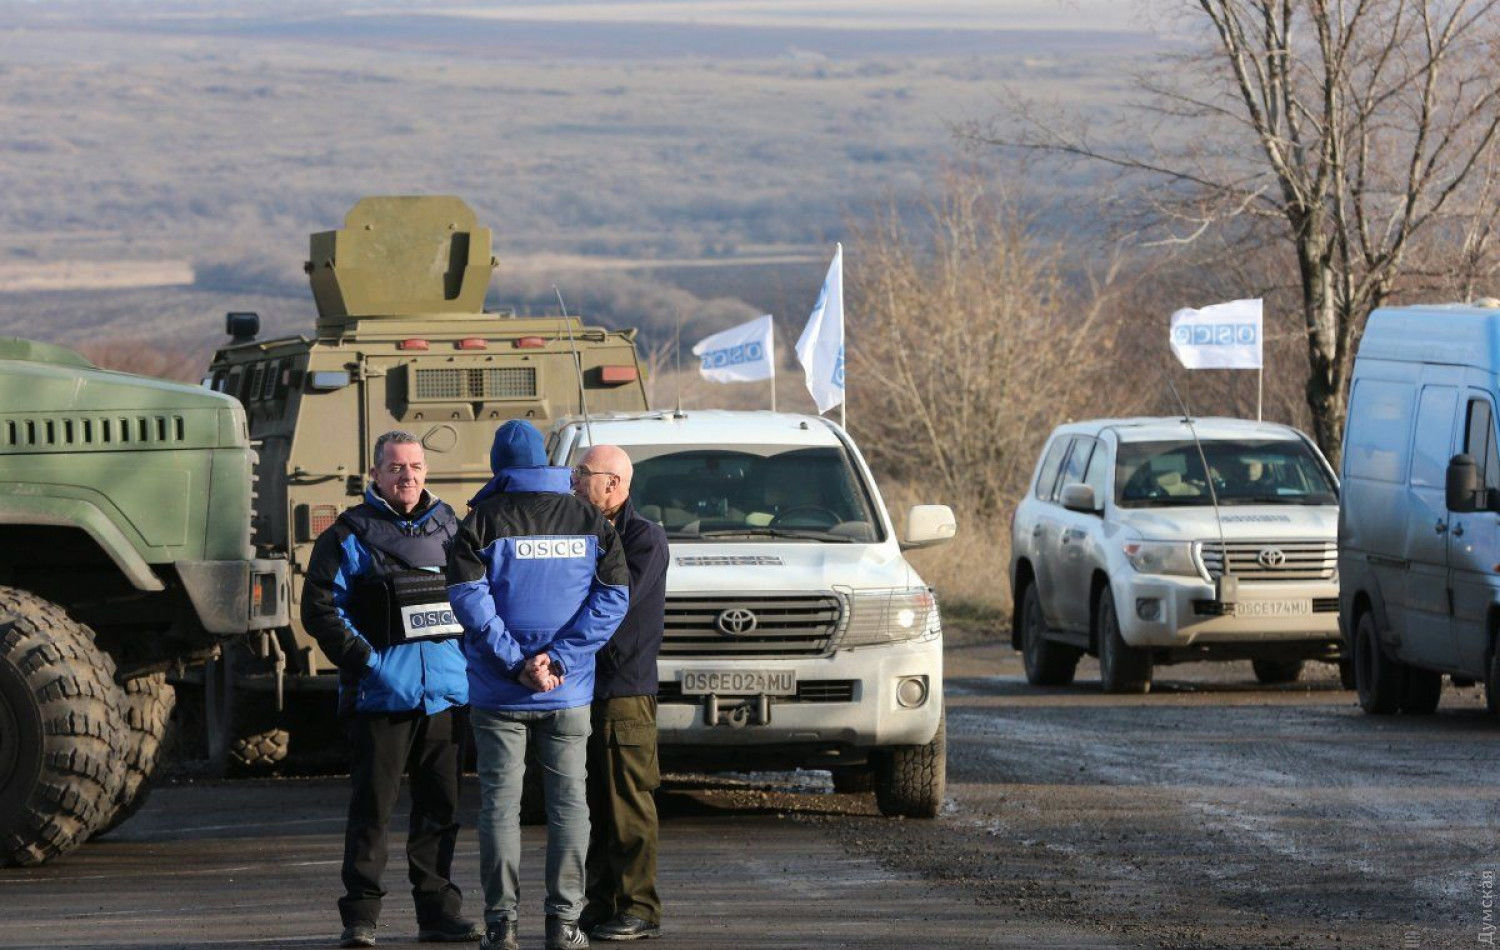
point(811, 534)
point(1173, 502)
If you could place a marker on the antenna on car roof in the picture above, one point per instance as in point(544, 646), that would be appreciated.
point(677, 355)
point(583, 406)
point(1226, 586)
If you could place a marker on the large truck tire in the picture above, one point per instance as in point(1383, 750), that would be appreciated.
point(62, 735)
point(259, 750)
point(148, 711)
point(910, 780)
point(241, 731)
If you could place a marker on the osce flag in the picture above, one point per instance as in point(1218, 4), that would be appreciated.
point(820, 349)
point(1223, 336)
point(740, 354)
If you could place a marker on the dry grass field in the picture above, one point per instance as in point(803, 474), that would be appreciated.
point(663, 165)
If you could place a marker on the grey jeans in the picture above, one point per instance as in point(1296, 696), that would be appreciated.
point(560, 738)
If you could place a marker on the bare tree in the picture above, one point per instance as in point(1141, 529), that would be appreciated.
point(1359, 134)
point(973, 345)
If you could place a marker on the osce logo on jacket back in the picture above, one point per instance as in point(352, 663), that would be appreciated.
point(529, 548)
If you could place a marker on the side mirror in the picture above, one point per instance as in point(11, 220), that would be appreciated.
point(1463, 483)
point(929, 524)
point(1079, 497)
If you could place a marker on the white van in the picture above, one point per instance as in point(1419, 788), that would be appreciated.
point(1419, 532)
point(796, 633)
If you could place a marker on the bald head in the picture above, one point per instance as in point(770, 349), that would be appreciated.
point(602, 477)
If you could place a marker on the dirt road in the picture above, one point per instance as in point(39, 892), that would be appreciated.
point(1211, 813)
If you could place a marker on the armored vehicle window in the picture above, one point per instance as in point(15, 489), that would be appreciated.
point(1479, 442)
point(1244, 471)
point(257, 378)
point(770, 491)
point(1047, 477)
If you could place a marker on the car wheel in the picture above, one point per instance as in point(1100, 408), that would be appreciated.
point(910, 780)
point(1047, 663)
point(1346, 673)
point(1122, 667)
point(1377, 678)
point(1276, 671)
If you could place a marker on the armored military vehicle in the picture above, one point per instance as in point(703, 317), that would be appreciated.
point(124, 552)
point(402, 341)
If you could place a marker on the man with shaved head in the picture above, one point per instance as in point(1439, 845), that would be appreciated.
point(623, 771)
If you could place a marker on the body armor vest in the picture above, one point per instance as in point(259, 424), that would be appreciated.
point(405, 599)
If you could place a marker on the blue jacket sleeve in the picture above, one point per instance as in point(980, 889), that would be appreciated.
point(473, 603)
point(604, 607)
point(336, 558)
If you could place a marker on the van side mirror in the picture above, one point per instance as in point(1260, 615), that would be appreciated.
point(927, 525)
point(1463, 484)
point(1080, 497)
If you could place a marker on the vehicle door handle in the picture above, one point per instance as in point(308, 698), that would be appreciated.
point(1440, 527)
point(1036, 532)
point(1458, 530)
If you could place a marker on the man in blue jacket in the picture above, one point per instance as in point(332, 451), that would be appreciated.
point(539, 581)
point(376, 600)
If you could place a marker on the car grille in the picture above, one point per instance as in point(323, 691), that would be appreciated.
point(1273, 560)
point(809, 691)
point(785, 625)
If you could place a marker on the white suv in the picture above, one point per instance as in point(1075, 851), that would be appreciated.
point(1119, 548)
point(796, 633)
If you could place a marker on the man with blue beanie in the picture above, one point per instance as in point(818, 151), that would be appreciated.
point(538, 579)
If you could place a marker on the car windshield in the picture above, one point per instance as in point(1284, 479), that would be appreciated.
point(1245, 472)
point(753, 492)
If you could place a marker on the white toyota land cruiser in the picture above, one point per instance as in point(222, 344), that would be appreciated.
point(1119, 549)
point(796, 633)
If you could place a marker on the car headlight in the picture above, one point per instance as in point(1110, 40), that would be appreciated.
point(1162, 557)
point(887, 616)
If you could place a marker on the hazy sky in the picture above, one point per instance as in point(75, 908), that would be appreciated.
point(866, 14)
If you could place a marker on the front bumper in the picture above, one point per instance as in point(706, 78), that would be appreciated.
point(1187, 615)
point(847, 699)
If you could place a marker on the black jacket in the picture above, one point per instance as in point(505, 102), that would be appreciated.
point(627, 664)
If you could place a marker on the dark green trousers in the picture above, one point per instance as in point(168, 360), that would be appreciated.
point(623, 775)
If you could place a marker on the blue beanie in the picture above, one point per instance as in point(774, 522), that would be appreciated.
point(517, 444)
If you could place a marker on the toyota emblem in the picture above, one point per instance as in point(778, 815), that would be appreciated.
point(735, 621)
point(1271, 557)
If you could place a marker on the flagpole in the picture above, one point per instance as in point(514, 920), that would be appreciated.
point(773, 365)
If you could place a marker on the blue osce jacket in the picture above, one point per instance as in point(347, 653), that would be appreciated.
point(426, 675)
point(535, 570)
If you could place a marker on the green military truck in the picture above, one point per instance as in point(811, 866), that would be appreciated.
point(402, 341)
point(124, 553)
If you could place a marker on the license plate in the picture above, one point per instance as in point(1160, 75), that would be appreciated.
point(739, 682)
point(1273, 608)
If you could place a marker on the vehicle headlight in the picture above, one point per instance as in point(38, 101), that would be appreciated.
point(1162, 557)
point(887, 616)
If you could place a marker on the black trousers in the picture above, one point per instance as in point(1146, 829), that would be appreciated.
point(429, 749)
